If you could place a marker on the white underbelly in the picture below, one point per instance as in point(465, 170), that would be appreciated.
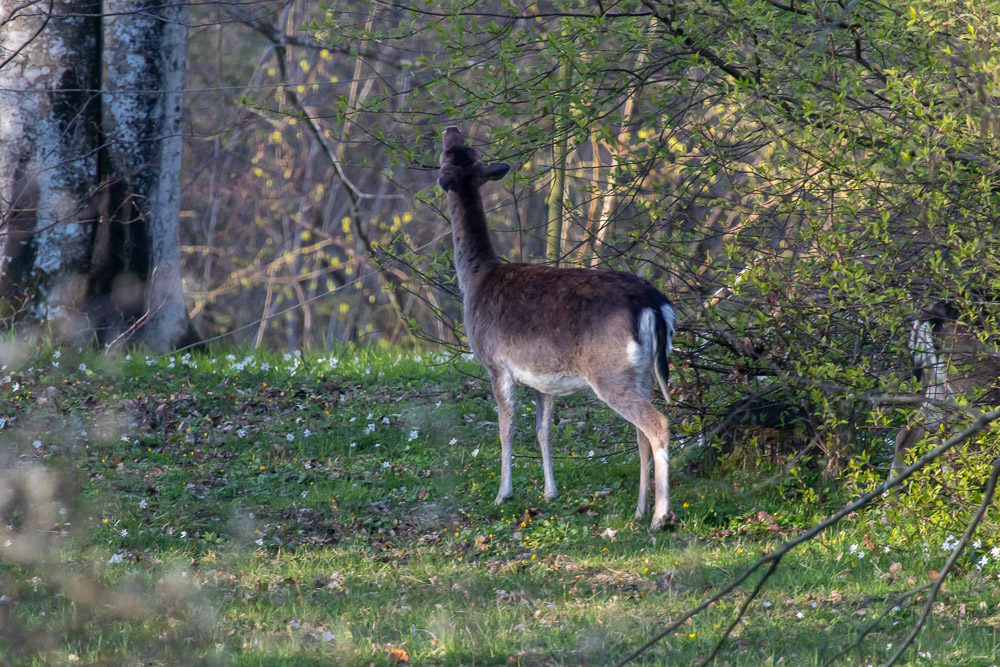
point(557, 384)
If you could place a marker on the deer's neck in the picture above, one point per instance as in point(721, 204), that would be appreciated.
point(474, 253)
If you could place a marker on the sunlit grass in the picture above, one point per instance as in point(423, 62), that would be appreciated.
point(246, 507)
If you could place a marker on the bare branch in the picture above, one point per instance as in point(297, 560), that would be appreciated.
point(981, 423)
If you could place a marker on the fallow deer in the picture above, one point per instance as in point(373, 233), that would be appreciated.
point(558, 331)
point(949, 361)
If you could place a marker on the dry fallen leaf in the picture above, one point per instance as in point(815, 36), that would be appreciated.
point(397, 655)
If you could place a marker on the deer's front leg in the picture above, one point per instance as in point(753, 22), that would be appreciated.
point(503, 392)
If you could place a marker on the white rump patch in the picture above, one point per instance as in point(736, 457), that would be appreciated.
point(669, 318)
point(925, 357)
point(640, 353)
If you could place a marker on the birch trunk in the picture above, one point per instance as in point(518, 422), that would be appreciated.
point(145, 54)
point(90, 150)
point(49, 142)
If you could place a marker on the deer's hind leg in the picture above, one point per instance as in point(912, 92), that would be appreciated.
point(543, 427)
point(624, 396)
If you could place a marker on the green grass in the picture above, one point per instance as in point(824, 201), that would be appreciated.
point(209, 508)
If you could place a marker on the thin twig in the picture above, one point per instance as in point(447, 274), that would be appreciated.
point(977, 426)
point(878, 621)
point(977, 518)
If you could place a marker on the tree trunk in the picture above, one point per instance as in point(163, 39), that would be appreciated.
point(556, 208)
point(145, 54)
point(89, 172)
point(49, 141)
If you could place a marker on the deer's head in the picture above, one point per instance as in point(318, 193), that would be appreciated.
point(461, 165)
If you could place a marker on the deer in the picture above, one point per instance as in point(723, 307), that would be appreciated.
point(949, 361)
point(558, 331)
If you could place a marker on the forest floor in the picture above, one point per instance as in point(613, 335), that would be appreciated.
point(254, 508)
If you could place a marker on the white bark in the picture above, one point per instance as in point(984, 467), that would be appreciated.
point(48, 157)
point(67, 135)
point(145, 53)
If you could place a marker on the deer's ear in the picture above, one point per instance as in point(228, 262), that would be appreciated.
point(445, 183)
point(495, 172)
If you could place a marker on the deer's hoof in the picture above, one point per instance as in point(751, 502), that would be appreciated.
point(663, 521)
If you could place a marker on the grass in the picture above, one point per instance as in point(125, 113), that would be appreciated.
point(260, 508)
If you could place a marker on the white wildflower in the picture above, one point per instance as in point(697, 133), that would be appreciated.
point(289, 437)
point(475, 452)
point(37, 444)
point(413, 435)
point(143, 504)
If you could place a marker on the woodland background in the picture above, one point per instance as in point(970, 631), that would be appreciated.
point(805, 180)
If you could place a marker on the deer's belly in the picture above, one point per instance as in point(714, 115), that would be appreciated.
point(557, 384)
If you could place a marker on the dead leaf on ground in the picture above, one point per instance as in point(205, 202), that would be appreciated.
point(397, 654)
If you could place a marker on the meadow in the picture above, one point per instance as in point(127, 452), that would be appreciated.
point(242, 507)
